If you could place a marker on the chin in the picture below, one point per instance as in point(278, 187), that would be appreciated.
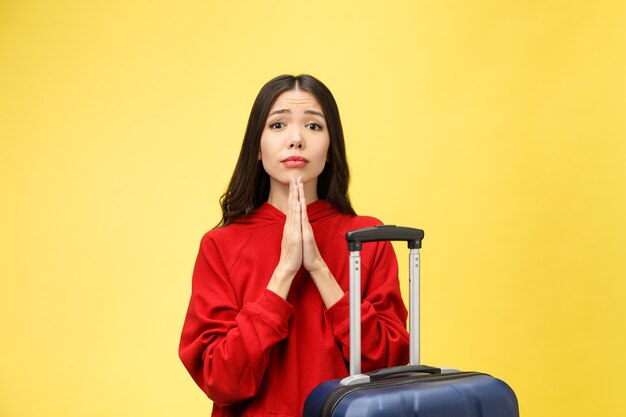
point(285, 178)
point(283, 175)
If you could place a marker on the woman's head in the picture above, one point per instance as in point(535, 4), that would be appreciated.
point(294, 143)
point(250, 185)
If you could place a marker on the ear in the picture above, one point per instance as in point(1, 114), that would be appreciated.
point(258, 158)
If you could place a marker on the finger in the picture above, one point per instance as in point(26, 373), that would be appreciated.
point(303, 209)
point(300, 186)
point(291, 220)
point(295, 210)
point(288, 212)
point(301, 200)
point(290, 198)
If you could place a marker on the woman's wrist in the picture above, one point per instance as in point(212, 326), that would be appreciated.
point(320, 271)
point(327, 285)
point(280, 282)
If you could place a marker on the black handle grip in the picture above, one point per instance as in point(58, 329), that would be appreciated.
point(356, 238)
point(398, 370)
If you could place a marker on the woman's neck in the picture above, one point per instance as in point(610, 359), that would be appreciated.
point(279, 194)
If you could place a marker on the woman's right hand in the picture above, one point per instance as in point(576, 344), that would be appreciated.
point(291, 246)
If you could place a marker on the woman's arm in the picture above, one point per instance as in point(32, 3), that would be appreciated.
point(290, 246)
point(312, 260)
point(385, 340)
point(225, 347)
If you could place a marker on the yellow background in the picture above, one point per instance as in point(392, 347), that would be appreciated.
point(498, 127)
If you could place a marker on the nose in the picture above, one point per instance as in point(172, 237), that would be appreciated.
point(296, 142)
point(294, 145)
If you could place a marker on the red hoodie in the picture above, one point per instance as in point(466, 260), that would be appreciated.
point(254, 353)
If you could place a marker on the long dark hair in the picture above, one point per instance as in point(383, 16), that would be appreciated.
point(249, 186)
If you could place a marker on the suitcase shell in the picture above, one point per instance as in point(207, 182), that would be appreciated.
point(462, 394)
point(405, 391)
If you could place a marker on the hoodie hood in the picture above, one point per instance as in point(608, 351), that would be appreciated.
point(267, 214)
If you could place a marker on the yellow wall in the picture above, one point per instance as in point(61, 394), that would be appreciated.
point(498, 127)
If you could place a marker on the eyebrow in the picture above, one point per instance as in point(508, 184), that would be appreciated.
point(281, 111)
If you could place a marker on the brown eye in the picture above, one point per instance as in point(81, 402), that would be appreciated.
point(314, 126)
point(277, 125)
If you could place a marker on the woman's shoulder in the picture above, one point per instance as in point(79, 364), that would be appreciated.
point(224, 243)
point(353, 222)
point(325, 211)
point(226, 235)
point(241, 227)
point(367, 221)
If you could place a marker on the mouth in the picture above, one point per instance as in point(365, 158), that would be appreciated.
point(294, 162)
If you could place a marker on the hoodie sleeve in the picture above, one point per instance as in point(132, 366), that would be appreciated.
point(225, 347)
point(385, 340)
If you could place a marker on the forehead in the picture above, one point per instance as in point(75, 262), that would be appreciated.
point(296, 99)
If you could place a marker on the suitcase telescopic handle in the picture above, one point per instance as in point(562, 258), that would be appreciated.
point(355, 240)
point(390, 232)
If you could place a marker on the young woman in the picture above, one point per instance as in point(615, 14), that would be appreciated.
point(268, 318)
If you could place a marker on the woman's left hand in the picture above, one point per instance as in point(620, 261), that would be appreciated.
point(312, 260)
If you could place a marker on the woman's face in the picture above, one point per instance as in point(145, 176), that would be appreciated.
point(295, 138)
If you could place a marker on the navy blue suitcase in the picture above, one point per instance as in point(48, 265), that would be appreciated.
point(404, 391)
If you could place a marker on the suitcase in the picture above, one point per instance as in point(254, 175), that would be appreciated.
point(404, 391)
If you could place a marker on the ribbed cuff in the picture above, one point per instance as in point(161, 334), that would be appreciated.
point(274, 310)
point(339, 314)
